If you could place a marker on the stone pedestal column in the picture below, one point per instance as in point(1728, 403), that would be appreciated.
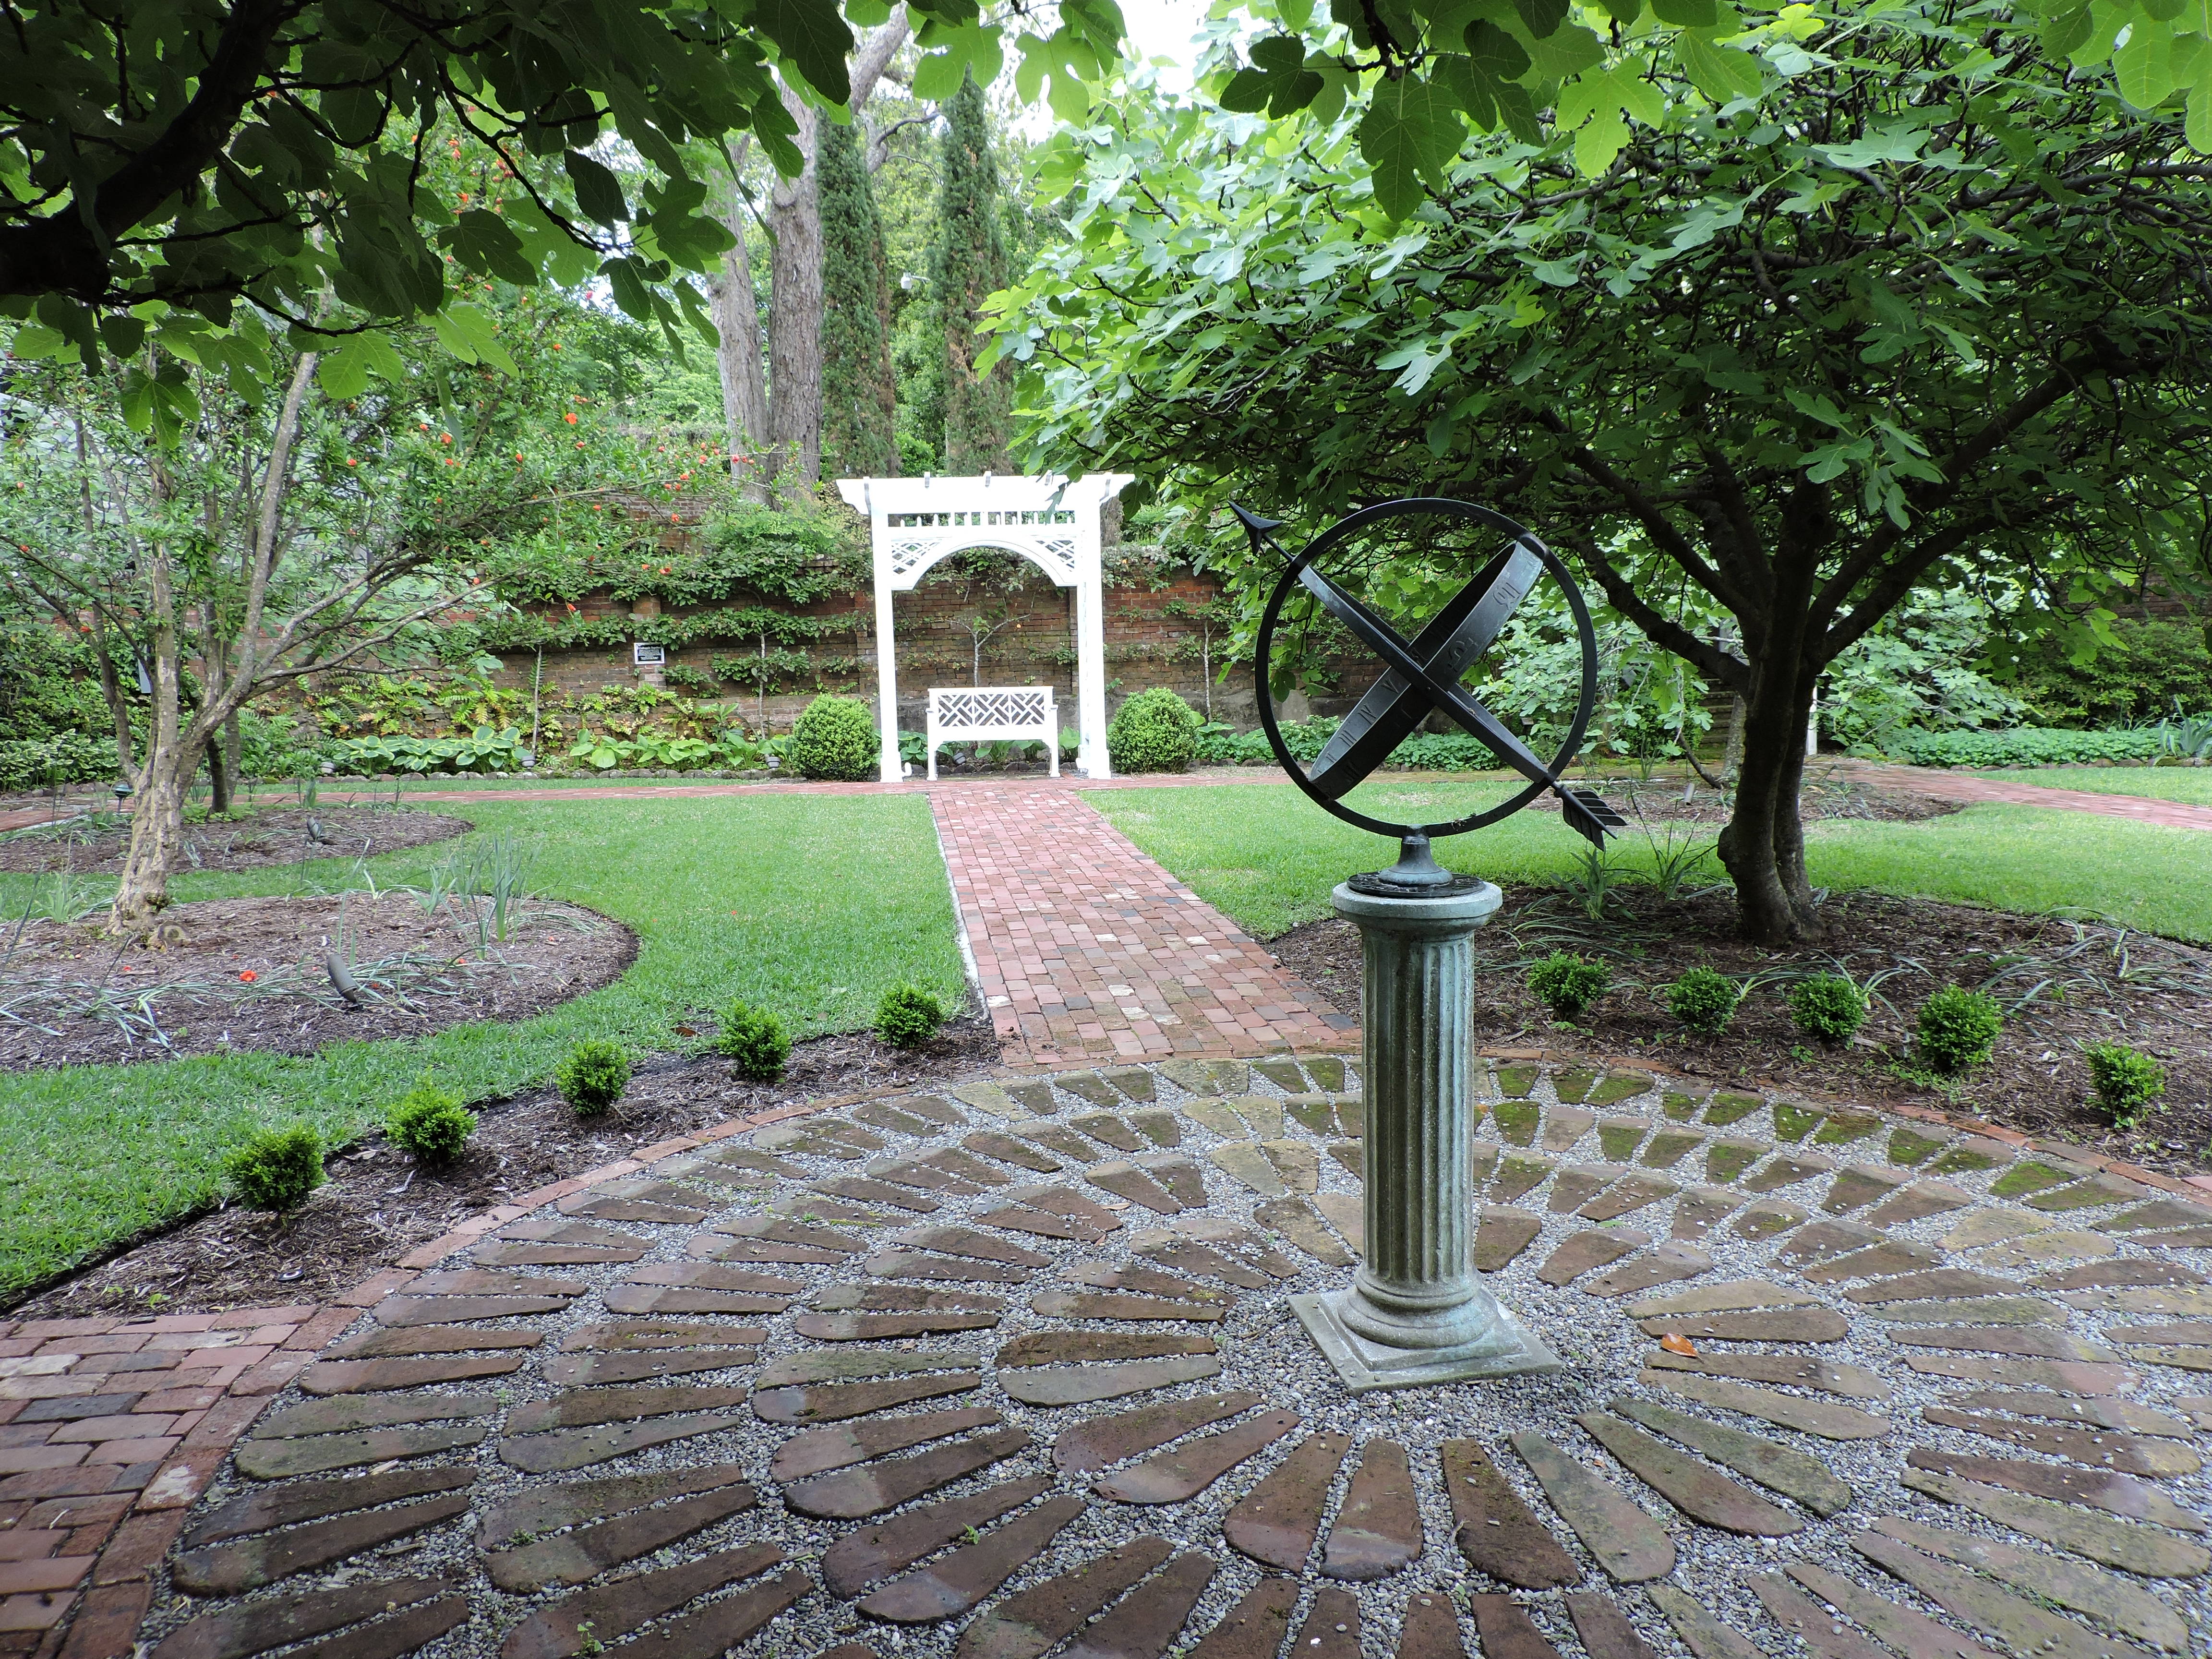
point(1417, 1311)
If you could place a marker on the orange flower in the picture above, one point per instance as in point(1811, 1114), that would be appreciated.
point(249, 976)
point(556, 345)
point(351, 462)
point(445, 437)
point(570, 417)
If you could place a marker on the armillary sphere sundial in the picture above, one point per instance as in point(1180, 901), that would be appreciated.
point(1416, 1312)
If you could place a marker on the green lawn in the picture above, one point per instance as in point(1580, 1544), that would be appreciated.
point(813, 905)
point(2193, 784)
point(1267, 857)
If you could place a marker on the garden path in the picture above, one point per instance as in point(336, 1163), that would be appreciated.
point(1960, 786)
point(1086, 949)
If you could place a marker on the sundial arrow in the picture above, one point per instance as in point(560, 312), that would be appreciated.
point(1381, 639)
point(1453, 638)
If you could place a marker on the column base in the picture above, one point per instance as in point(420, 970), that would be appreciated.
point(1509, 1348)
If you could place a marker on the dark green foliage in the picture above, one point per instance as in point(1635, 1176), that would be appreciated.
point(429, 1124)
point(1155, 730)
point(1827, 1007)
point(2129, 1081)
point(64, 757)
point(859, 397)
point(594, 1076)
point(836, 737)
point(1958, 1029)
point(755, 1040)
point(276, 1168)
point(1567, 985)
point(2023, 746)
point(1705, 1000)
point(2147, 668)
point(966, 266)
point(907, 1017)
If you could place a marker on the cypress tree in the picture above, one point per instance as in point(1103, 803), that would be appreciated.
point(968, 265)
point(859, 398)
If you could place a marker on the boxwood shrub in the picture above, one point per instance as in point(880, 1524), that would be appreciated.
point(837, 738)
point(1155, 730)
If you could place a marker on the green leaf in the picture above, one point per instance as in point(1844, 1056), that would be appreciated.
point(1722, 73)
point(2064, 34)
point(811, 35)
point(1601, 138)
point(1280, 54)
point(1494, 52)
point(1245, 93)
point(1567, 53)
point(1410, 128)
point(483, 241)
point(2144, 67)
point(1686, 14)
point(598, 192)
point(342, 374)
point(123, 335)
point(2198, 126)
point(1541, 16)
point(35, 341)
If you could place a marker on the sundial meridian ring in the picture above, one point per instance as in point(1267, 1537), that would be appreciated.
point(1421, 675)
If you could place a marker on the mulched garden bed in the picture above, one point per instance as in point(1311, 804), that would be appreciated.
point(2075, 983)
point(283, 835)
point(378, 1205)
point(1830, 793)
point(254, 973)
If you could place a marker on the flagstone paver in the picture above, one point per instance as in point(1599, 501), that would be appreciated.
point(1100, 1438)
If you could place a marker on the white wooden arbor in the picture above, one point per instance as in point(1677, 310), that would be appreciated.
point(1052, 521)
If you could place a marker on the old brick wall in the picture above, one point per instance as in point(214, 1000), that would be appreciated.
point(1031, 641)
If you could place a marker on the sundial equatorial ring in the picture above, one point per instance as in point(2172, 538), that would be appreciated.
point(1423, 675)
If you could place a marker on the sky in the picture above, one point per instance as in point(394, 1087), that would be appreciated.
point(1163, 28)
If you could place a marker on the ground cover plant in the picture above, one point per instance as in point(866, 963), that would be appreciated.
point(2129, 1082)
point(728, 897)
point(276, 1167)
point(1957, 1028)
point(1567, 984)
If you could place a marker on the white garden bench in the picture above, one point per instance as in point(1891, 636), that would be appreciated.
point(994, 713)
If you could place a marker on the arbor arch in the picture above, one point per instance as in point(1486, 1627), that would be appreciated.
point(914, 524)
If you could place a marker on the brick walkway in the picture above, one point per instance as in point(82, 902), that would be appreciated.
point(1086, 949)
point(109, 1429)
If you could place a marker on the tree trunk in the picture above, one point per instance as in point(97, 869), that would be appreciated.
point(737, 320)
point(157, 811)
point(1762, 847)
point(794, 315)
point(233, 754)
point(219, 775)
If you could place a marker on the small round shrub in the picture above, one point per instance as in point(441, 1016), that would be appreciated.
point(1958, 1029)
point(429, 1125)
point(2129, 1081)
point(907, 1017)
point(755, 1039)
point(1155, 730)
point(1828, 1007)
point(277, 1168)
point(1567, 985)
point(836, 737)
point(594, 1076)
point(1705, 1000)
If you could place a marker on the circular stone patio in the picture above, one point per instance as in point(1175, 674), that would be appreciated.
point(1013, 1374)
